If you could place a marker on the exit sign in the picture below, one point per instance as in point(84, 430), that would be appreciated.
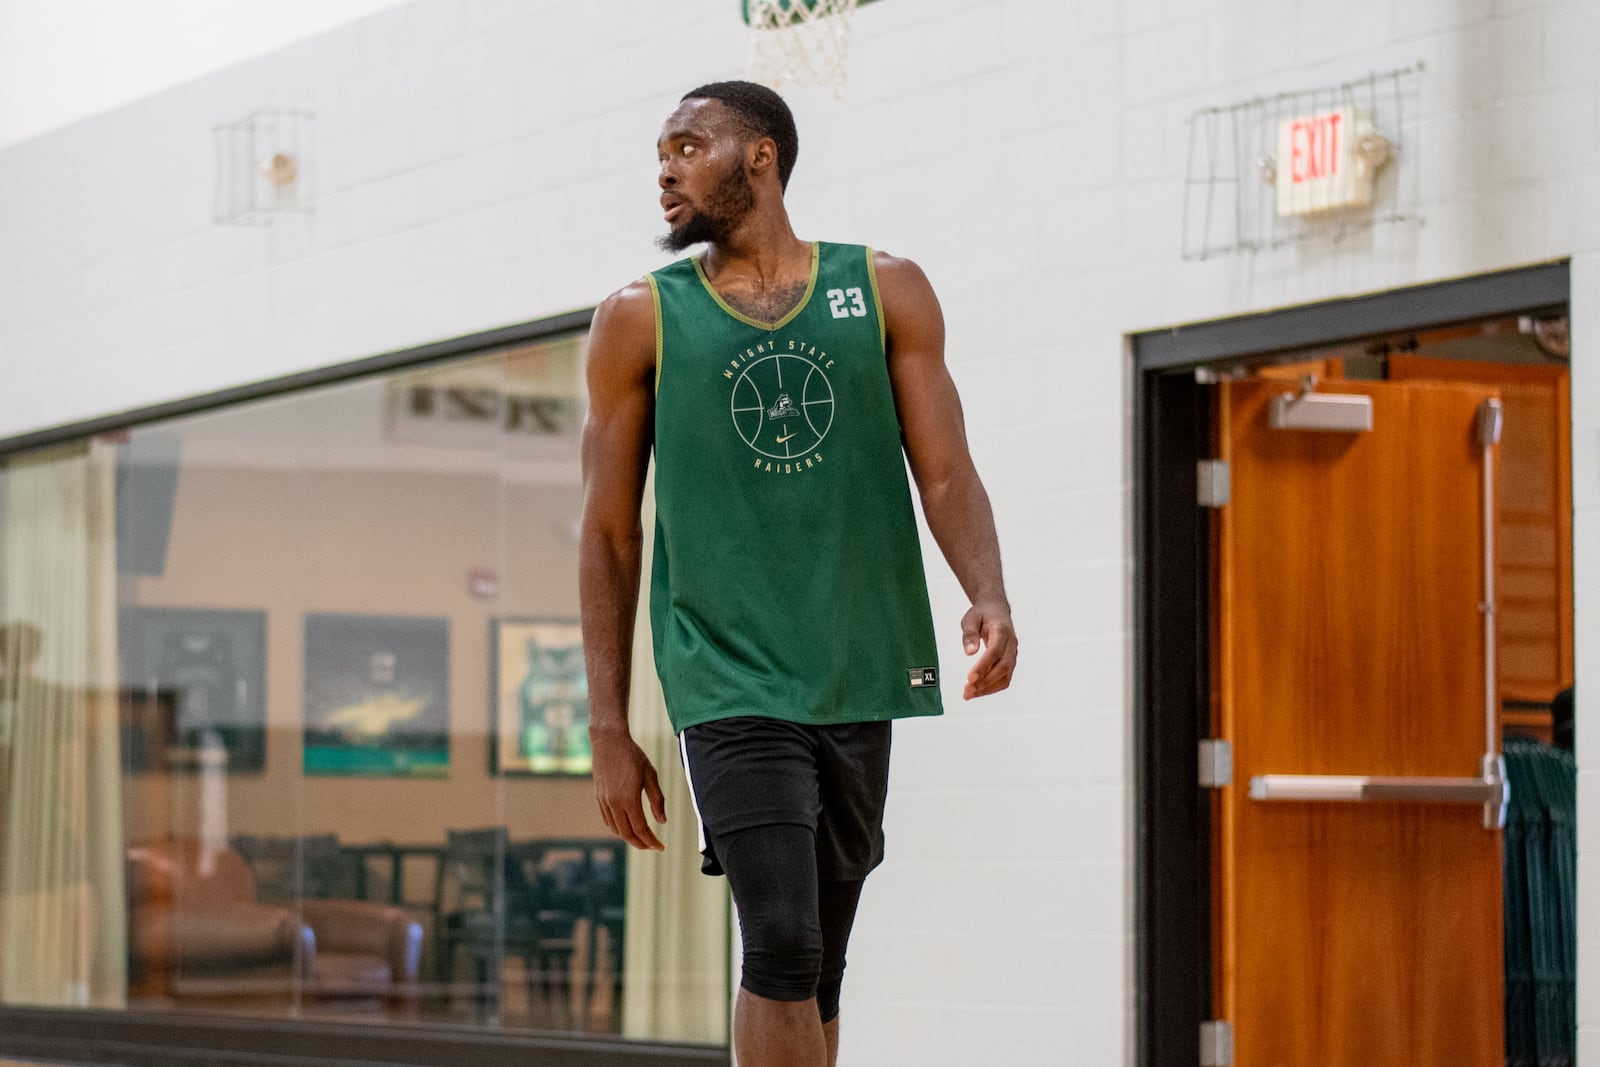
point(1318, 167)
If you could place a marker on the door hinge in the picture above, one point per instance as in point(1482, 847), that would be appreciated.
point(1216, 763)
point(1216, 1044)
point(1213, 483)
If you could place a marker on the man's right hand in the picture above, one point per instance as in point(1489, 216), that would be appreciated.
point(622, 772)
point(616, 455)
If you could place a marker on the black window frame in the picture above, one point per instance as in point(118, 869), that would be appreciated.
point(146, 1038)
point(436, 352)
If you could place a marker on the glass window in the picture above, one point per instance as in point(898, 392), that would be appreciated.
point(293, 722)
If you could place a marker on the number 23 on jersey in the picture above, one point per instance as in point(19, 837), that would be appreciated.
point(847, 303)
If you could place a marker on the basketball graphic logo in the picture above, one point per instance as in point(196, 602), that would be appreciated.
point(783, 406)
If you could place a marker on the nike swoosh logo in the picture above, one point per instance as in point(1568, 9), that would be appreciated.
point(781, 440)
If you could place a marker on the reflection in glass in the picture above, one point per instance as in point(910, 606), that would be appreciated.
point(293, 722)
point(542, 704)
point(62, 935)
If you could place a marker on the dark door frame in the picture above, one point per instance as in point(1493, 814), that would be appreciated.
point(1171, 433)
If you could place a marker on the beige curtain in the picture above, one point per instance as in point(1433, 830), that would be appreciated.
point(63, 939)
point(675, 969)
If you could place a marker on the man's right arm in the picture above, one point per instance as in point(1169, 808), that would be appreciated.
point(616, 453)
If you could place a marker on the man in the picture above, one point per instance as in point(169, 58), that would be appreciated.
point(19, 648)
point(20, 643)
point(776, 380)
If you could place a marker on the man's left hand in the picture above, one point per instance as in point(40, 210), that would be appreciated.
point(988, 626)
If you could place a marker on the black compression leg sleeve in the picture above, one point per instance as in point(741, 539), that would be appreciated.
point(772, 871)
point(837, 909)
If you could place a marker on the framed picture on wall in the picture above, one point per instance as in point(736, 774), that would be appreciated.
point(192, 679)
point(377, 696)
point(539, 697)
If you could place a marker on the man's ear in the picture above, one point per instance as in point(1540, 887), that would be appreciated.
point(762, 155)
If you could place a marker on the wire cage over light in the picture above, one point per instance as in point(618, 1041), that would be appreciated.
point(261, 167)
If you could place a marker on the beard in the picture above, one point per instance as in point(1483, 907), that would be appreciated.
point(729, 204)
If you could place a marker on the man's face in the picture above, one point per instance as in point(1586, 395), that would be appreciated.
point(705, 191)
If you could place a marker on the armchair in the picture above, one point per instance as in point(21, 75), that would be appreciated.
point(198, 933)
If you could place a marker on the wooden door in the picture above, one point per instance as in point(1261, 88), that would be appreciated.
point(1348, 641)
point(1533, 504)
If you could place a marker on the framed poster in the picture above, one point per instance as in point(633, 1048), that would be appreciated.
point(192, 678)
point(540, 698)
point(377, 696)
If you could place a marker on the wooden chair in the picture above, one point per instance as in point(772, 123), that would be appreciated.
point(577, 955)
point(541, 902)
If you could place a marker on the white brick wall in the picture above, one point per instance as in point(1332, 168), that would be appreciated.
point(481, 163)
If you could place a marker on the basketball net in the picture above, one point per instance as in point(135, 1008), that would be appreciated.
point(803, 42)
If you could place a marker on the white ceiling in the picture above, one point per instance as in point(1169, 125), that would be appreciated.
point(65, 60)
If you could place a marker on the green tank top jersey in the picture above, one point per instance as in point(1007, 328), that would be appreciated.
point(788, 577)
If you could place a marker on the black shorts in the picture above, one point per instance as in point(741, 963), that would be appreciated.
point(752, 771)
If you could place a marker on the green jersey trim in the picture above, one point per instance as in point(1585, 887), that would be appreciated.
point(811, 286)
point(877, 301)
point(655, 298)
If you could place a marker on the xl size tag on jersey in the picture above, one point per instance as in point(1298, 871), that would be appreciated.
point(924, 677)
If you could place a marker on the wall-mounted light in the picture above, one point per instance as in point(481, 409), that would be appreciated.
point(280, 169)
point(262, 167)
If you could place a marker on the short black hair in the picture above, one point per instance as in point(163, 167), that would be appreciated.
point(764, 114)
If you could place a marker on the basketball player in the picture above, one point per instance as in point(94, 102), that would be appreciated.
point(777, 381)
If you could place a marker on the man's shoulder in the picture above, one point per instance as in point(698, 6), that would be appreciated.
point(899, 280)
point(624, 326)
point(882, 261)
point(626, 304)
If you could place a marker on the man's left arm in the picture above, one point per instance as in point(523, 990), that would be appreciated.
point(953, 498)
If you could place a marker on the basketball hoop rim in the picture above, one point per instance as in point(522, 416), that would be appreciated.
point(744, 6)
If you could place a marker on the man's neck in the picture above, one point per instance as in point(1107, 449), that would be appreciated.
point(761, 253)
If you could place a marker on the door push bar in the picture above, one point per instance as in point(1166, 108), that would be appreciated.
point(1489, 789)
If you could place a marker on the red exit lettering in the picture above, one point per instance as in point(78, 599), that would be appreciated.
point(1314, 147)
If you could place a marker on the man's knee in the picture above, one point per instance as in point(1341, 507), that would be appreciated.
point(782, 956)
point(772, 872)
